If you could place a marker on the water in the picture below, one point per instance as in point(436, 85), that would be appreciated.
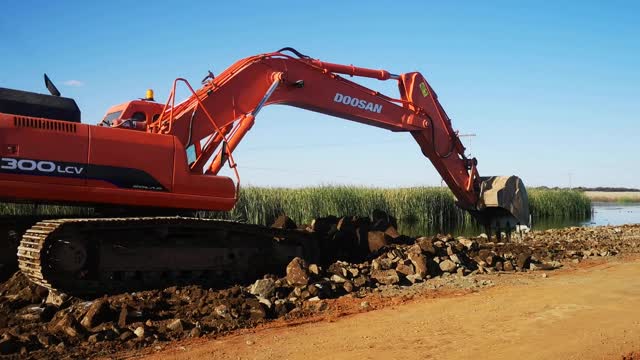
point(601, 214)
point(614, 214)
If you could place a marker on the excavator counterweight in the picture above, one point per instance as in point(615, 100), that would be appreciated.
point(146, 158)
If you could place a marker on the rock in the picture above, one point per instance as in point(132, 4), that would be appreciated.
point(348, 286)
point(265, 288)
point(98, 313)
point(176, 325)
point(555, 264)
point(297, 273)
point(95, 338)
point(69, 326)
point(267, 302)
point(419, 262)
point(387, 263)
point(523, 261)
point(483, 254)
point(359, 281)
point(338, 268)
point(365, 305)
point(139, 332)
point(405, 269)
point(305, 294)
point(375, 265)
point(313, 290)
point(314, 269)
point(195, 332)
point(222, 311)
point(468, 243)
point(544, 266)
point(337, 279)
point(387, 277)
point(281, 307)
point(45, 340)
point(433, 267)
point(284, 222)
point(56, 298)
point(426, 245)
point(544, 275)
point(499, 265)
point(376, 240)
point(451, 250)
point(415, 278)
point(491, 260)
point(391, 232)
point(257, 311)
point(448, 266)
point(122, 318)
point(508, 265)
point(455, 258)
point(126, 335)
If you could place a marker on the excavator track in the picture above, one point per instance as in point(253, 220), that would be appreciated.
point(11, 230)
point(108, 255)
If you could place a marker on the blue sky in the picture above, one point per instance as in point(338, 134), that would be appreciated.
point(549, 88)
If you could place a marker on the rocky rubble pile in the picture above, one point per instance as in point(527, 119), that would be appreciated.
point(33, 325)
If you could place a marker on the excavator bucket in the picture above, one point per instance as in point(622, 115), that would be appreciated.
point(504, 204)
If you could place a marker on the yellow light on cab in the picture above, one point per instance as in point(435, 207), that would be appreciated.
point(149, 95)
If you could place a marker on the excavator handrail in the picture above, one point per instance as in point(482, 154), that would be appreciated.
point(157, 124)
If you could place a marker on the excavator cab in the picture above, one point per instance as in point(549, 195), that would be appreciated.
point(135, 114)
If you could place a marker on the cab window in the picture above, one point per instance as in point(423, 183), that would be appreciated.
point(108, 119)
point(139, 116)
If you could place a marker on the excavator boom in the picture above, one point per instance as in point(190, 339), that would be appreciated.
point(224, 110)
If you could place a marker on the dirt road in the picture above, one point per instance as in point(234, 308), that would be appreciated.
point(588, 313)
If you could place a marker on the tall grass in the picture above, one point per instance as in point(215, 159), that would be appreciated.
point(11, 209)
point(546, 203)
point(419, 210)
point(430, 206)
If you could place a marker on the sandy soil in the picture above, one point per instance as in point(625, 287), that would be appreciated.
point(613, 195)
point(588, 312)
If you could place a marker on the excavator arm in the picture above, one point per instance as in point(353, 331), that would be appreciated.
point(219, 114)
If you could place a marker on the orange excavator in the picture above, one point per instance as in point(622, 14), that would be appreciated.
point(147, 162)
